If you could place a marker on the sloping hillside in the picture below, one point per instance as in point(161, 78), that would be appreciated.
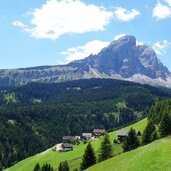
point(73, 157)
point(152, 157)
point(85, 90)
point(43, 113)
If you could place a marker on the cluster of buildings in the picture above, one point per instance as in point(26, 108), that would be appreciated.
point(68, 141)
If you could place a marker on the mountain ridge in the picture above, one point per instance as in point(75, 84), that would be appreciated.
point(123, 59)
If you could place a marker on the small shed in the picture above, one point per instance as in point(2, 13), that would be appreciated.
point(66, 147)
point(66, 139)
point(86, 136)
point(122, 134)
point(78, 138)
point(98, 132)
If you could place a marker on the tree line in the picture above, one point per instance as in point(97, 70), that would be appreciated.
point(39, 111)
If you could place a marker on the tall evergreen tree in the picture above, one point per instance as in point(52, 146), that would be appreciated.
point(165, 126)
point(131, 142)
point(47, 167)
point(106, 149)
point(60, 167)
point(154, 135)
point(1, 168)
point(89, 157)
point(75, 169)
point(147, 134)
point(66, 166)
point(37, 167)
point(63, 166)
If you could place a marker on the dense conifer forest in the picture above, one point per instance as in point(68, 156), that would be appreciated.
point(36, 116)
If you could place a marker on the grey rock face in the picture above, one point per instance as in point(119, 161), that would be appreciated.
point(122, 59)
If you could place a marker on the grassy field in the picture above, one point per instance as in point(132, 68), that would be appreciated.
point(73, 157)
point(153, 157)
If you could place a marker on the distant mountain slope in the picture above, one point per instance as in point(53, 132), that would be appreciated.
point(85, 90)
point(154, 156)
point(122, 59)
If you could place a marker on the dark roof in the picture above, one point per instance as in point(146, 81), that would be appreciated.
point(86, 134)
point(125, 132)
point(66, 137)
point(67, 145)
point(99, 131)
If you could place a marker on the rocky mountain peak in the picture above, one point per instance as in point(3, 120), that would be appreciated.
point(122, 59)
point(126, 40)
point(126, 59)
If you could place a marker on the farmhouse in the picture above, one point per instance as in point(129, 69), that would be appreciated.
point(86, 136)
point(122, 134)
point(66, 147)
point(66, 139)
point(78, 138)
point(98, 132)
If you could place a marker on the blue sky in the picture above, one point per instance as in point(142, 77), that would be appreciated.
point(52, 32)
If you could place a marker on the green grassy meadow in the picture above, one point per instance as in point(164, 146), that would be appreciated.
point(73, 157)
point(153, 157)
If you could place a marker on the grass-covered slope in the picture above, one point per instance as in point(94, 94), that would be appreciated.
point(152, 157)
point(43, 113)
point(73, 157)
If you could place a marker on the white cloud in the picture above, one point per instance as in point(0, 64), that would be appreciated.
point(122, 14)
point(19, 24)
point(58, 17)
point(161, 11)
point(140, 43)
point(168, 2)
point(160, 47)
point(80, 52)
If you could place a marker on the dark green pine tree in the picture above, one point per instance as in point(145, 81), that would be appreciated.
point(63, 166)
point(154, 135)
point(106, 149)
point(89, 157)
point(131, 141)
point(165, 126)
point(147, 134)
point(75, 169)
point(37, 167)
point(47, 167)
point(66, 166)
point(1, 168)
point(60, 167)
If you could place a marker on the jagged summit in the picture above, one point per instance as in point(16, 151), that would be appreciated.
point(126, 40)
point(122, 59)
